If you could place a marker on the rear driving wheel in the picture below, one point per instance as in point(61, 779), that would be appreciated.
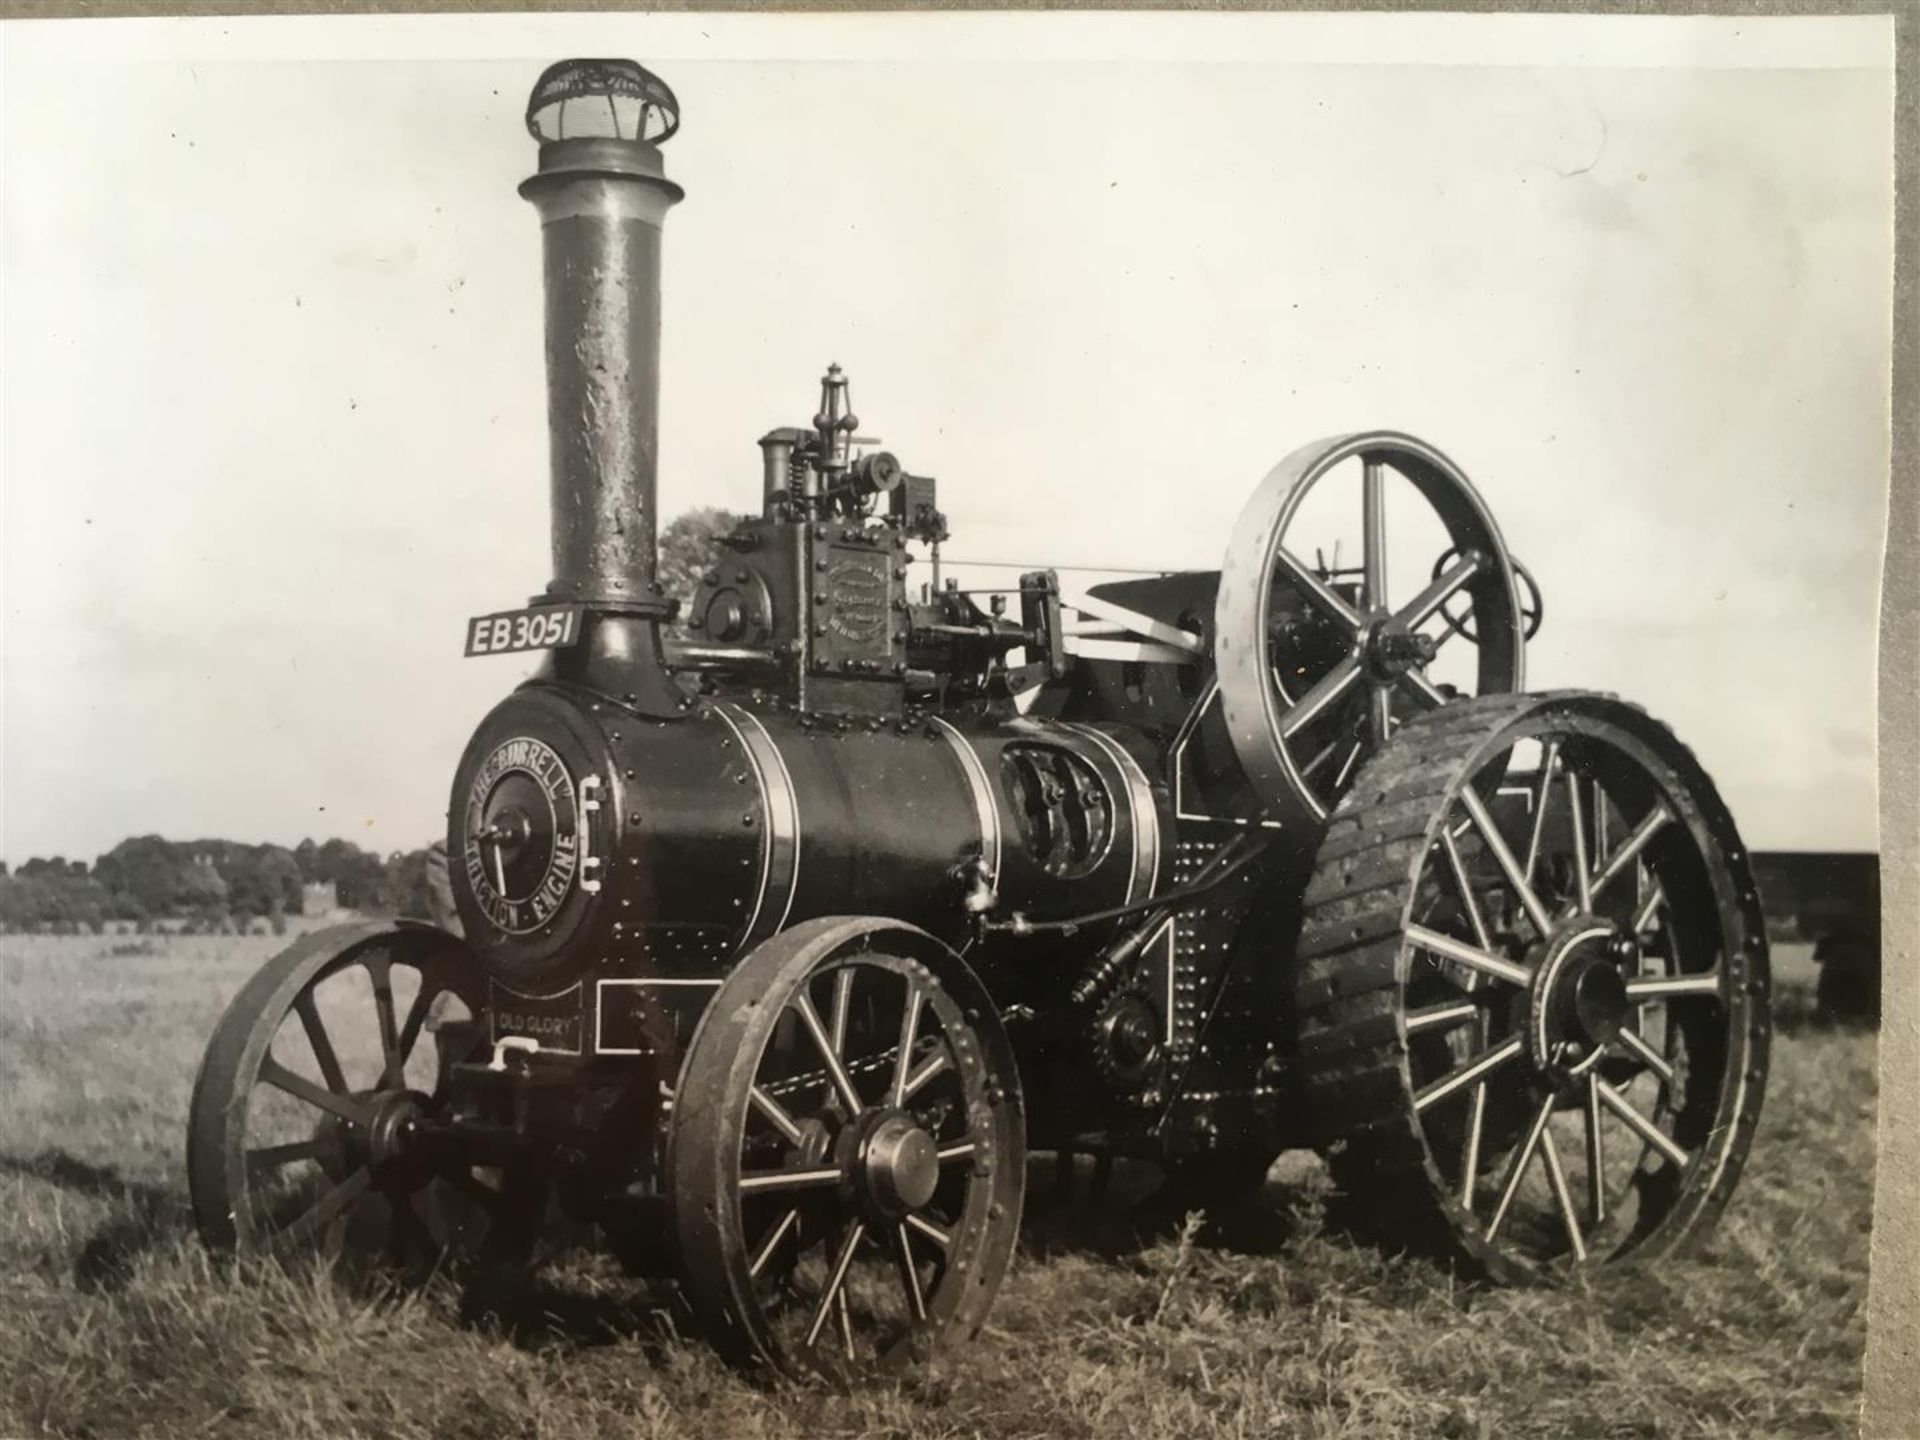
point(1533, 988)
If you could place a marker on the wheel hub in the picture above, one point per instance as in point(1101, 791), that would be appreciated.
point(392, 1140)
point(897, 1164)
point(1392, 648)
point(1578, 1001)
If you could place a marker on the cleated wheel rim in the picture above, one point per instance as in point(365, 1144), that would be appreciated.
point(1318, 665)
point(307, 1131)
point(1533, 988)
point(847, 1153)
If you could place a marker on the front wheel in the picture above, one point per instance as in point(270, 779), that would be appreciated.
point(308, 1124)
point(847, 1154)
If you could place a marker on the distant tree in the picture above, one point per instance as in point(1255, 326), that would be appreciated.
point(155, 875)
point(409, 885)
point(307, 856)
point(204, 892)
point(688, 547)
point(258, 877)
point(357, 876)
point(53, 898)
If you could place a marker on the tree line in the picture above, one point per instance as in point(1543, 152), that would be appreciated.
point(211, 883)
point(207, 884)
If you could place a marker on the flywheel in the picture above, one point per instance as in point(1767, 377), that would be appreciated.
point(1320, 661)
point(1532, 988)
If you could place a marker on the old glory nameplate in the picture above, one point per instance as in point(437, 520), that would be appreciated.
point(541, 628)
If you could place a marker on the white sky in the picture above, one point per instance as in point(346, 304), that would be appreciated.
point(272, 404)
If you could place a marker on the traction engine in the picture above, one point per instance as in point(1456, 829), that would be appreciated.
point(790, 920)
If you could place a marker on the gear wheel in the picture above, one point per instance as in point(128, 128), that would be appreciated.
point(1126, 1043)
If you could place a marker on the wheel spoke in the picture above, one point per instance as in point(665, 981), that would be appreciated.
point(1648, 911)
point(1484, 961)
point(1634, 1041)
point(408, 1233)
point(1557, 1178)
point(276, 1157)
point(1476, 1069)
point(940, 1060)
point(1549, 757)
point(909, 1275)
point(1465, 887)
point(329, 1207)
point(1422, 689)
point(1665, 987)
point(1441, 1017)
point(909, 1032)
point(755, 1182)
point(1596, 1156)
point(301, 1088)
point(1630, 849)
point(845, 1319)
point(959, 1150)
point(1346, 766)
point(1373, 527)
point(1317, 590)
point(772, 1243)
point(1421, 608)
point(823, 1042)
point(1517, 1166)
point(842, 1262)
point(1379, 713)
point(1329, 688)
point(322, 1045)
point(417, 1018)
point(842, 1008)
point(923, 1226)
point(381, 974)
point(1509, 867)
point(1470, 1160)
point(1640, 1125)
point(1325, 755)
point(1582, 877)
point(776, 1113)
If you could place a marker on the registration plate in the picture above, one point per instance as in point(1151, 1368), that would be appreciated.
point(542, 628)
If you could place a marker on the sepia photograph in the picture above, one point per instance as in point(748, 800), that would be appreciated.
point(942, 724)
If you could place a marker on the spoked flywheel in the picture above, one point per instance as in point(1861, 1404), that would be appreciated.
point(847, 1154)
point(1533, 987)
point(1319, 662)
point(313, 1108)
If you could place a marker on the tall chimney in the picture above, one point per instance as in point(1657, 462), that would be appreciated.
point(602, 195)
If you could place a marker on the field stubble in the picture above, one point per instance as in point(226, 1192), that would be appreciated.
point(115, 1323)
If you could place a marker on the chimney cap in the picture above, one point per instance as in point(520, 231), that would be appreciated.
point(601, 99)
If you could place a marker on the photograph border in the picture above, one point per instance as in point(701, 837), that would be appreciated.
point(1892, 1379)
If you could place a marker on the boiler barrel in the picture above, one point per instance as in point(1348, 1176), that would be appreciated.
point(714, 833)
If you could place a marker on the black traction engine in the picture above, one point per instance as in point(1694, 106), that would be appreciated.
point(792, 918)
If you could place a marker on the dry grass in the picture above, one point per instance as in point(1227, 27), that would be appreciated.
point(115, 1323)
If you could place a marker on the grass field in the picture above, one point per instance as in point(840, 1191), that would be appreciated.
point(114, 1322)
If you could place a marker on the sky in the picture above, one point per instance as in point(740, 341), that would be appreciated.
point(272, 418)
